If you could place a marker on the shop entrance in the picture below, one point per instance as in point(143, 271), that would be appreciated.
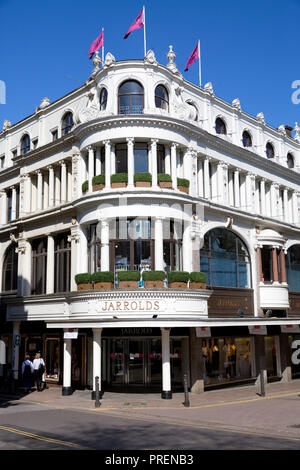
point(138, 362)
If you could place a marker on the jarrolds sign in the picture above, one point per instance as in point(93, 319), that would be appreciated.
point(110, 306)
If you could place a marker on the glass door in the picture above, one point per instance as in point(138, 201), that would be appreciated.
point(117, 363)
point(136, 362)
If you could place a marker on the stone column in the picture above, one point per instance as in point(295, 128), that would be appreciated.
point(167, 160)
point(192, 173)
point(63, 182)
point(51, 186)
point(3, 211)
point(187, 247)
point(274, 199)
point(237, 188)
point(220, 183)
point(107, 163)
point(57, 186)
point(230, 189)
point(96, 359)
point(74, 239)
point(50, 265)
point(263, 196)
point(67, 367)
point(285, 205)
point(200, 178)
point(275, 265)
point(174, 165)
point(250, 192)
point(261, 277)
point(214, 183)
point(24, 268)
point(130, 161)
point(207, 192)
point(295, 208)
point(39, 196)
point(159, 252)
point(98, 161)
point(113, 159)
point(46, 192)
point(243, 199)
point(90, 166)
point(104, 245)
point(16, 350)
point(283, 279)
point(166, 366)
point(76, 173)
point(154, 162)
point(13, 203)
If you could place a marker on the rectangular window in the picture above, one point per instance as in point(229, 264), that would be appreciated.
point(121, 158)
point(62, 253)
point(39, 266)
point(54, 135)
point(141, 158)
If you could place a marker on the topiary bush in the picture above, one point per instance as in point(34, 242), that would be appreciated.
point(145, 177)
point(178, 276)
point(183, 182)
point(119, 178)
point(164, 178)
point(198, 277)
point(103, 276)
point(154, 275)
point(98, 179)
point(129, 275)
point(83, 278)
point(85, 186)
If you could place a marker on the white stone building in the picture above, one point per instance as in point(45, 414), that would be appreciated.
point(238, 222)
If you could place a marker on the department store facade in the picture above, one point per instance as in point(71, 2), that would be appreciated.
point(236, 220)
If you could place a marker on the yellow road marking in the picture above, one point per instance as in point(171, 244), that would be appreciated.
point(38, 437)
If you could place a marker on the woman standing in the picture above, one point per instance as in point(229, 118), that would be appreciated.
point(39, 369)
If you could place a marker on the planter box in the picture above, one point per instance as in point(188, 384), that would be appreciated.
point(154, 284)
point(128, 284)
point(143, 184)
point(97, 187)
point(118, 185)
point(184, 189)
point(88, 286)
point(197, 285)
point(165, 184)
point(84, 193)
point(178, 285)
point(105, 285)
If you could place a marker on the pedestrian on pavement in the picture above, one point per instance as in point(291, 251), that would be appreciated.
point(27, 371)
point(39, 369)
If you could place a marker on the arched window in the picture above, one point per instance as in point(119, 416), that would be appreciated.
point(293, 268)
point(247, 141)
point(67, 123)
point(220, 126)
point(25, 144)
point(161, 97)
point(290, 160)
point(10, 270)
point(131, 98)
point(225, 260)
point(270, 150)
point(103, 99)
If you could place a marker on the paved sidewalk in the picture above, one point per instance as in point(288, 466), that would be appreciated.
point(239, 409)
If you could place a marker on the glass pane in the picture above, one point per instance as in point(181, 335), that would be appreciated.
point(142, 254)
point(124, 104)
point(155, 357)
point(52, 359)
point(122, 255)
point(136, 362)
point(137, 102)
point(121, 159)
point(176, 361)
point(204, 267)
point(244, 275)
point(224, 273)
point(141, 158)
point(271, 355)
point(129, 87)
point(117, 362)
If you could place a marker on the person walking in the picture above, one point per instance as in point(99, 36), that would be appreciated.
point(27, 371)
point(39, 369)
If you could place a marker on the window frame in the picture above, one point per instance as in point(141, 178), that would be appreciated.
point(130, 95)
point(66, 125)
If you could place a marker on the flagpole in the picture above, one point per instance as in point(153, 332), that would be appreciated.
point(103, 48)
point(200, 75)
point(144, 18)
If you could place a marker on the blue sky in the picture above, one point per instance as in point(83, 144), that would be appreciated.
point(249, 49)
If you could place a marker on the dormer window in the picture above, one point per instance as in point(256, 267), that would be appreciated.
point(161, 97)
point(25, 144)
point(270, 150)
point(131, 98)
point(67, 123)
point(290, 161)
point(247, 141)
point(220, 126)
point(103, 99)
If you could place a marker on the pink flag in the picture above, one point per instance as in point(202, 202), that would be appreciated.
point(193, 57)
point(97, 44)
point(137, 24)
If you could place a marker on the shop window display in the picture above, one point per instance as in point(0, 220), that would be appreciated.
point(226, 359)
point(52, 347)
point(271, 355)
